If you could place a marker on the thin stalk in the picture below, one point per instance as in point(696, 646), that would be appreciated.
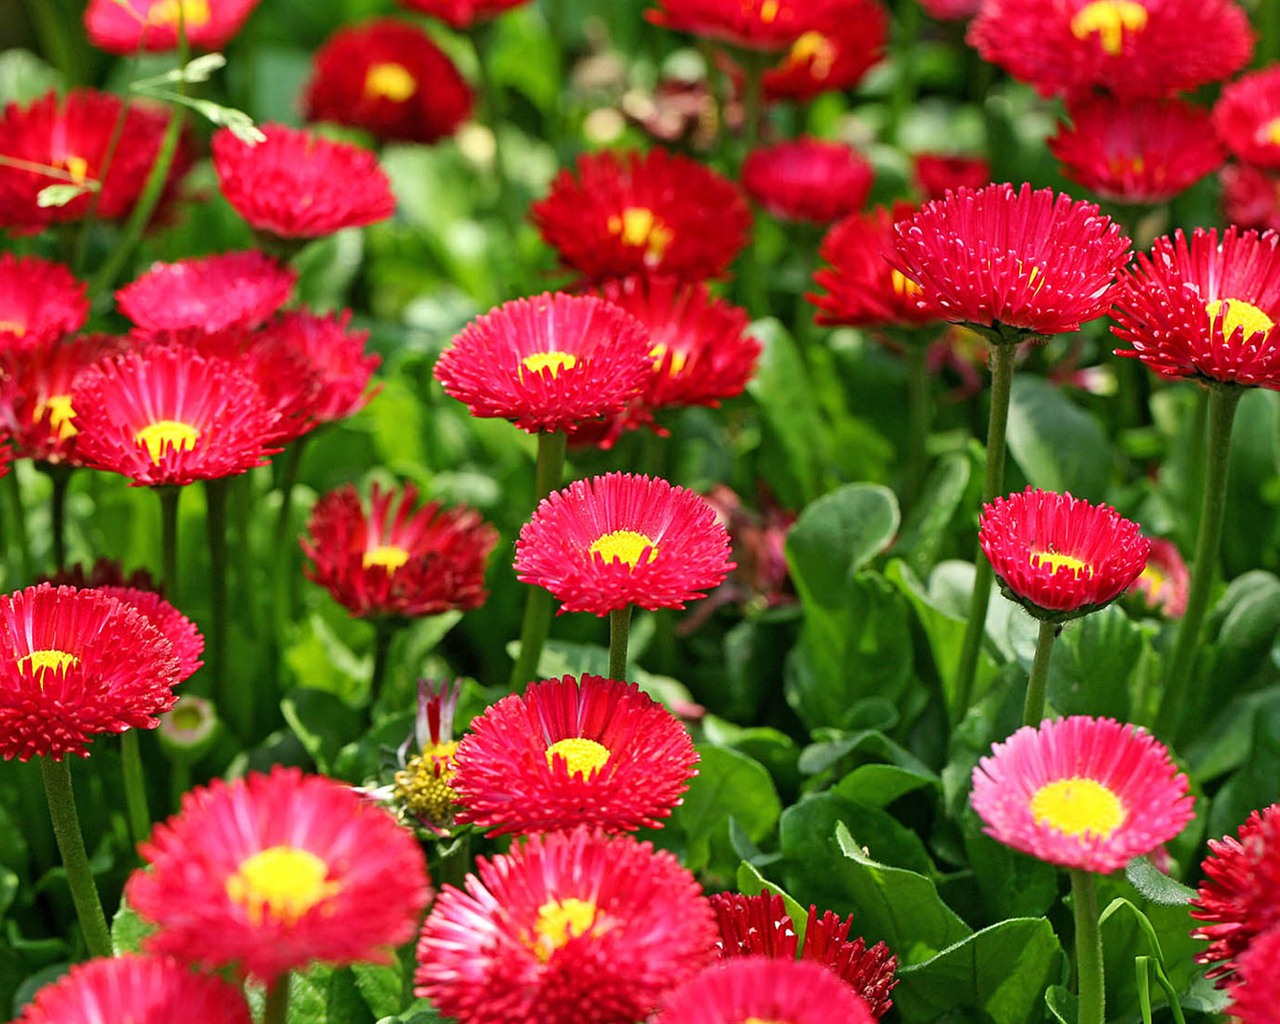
point(919, 416)
point(169, 496)
point(284, 579)
point(1223, 402)
point(904, 90)
point(238, 706)
point(61, 479)
point(495, 114)
point(50, 28)
point(538, 605)
point(384, 632)
point(276, 1010)
point(66, 830)
point(1038, 684)
point(135, 787)
point(1084, 905)
point(753, 69)
point(21, 539)
point(1002, 357)
point(752, 292)
point(619, 633)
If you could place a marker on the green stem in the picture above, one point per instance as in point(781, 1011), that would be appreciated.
point(919, 415)
point(1038, 684)
point(169, 496)
point(619, 632)
point(1084, 905)
point(276, 1010)
point(237, 706)
point(1002, 356)
point(1223, 401)
point(538, 606)
point(21, 539)
point(135, 787)
point(904, 89)
point(66, 830)
point(50, 27)
point(60, 476)
point(495, 113)
point(179, 783)
point(383, 633)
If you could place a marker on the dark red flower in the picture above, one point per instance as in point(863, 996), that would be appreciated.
point(462, 13)
point(1129, 47)
point(297, 184)
point(832, 59)
point(808, 180)
point(951, 10)
point(1250, 197)
point(1247, 118)
point(1165, 583)
point(389, 78)
point(938, 173)
point(40, 302)
point(1255, 994)
point(126, 26)
point(334, 352)
point(752, 24)
point(627, 213)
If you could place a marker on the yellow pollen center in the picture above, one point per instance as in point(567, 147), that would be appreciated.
point(815, 49)
point(389, 556)
point(769, 11)
point(762, 1020)
point(281, 881)
point(1078, 806)
point(194, 12)
point(13, 327)
point(624, 546)
point(1056, 562)
point(423, 785)
point(641, 227)
point(78, 168)
point(1270, 132)
point(37, 661)
point(583, 756)
point(1154, 579)
point(58, 409)
point(553, 362)
point(163, 435)
point(903, 285)
point(678, 359)
point(558, 922)
point(1110, 19)
point(389, 81)
point(1239, 314)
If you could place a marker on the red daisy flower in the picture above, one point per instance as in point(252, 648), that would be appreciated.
point(1255, 996)
point(863, 290)
point(1205, 308)
point(389, 78)
point(164, 415)
point(620, 539)
point(833, 59)
point(299, 185)
point(137, 989)
point(1164, 584)
point(808, 180)
point(1129, 47)
point(761, 926)
point(569, 928)
point(398, 559)
point(462, 13)
point(40, 301)
point(234, 289)
point(335, 353)
point(1250, 197)
point(751, 24)
point(422, 791)
point(598, 752)
point(6, 455)
point(764, 989)
point(548, 362)
point(1060, 557)
point(938, 173)
point(1136, 151)
point(272, 872)
point(126, 26)
point(951, 10)
point(1087, 793)
point(627, 213)
point(1247, 118)
point(71, 136)
point(76, 663)
point(1012, 258)
point(1239, 896)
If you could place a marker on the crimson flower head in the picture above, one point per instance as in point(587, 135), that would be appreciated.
point(423, 786)
point(271, 872)
point(389, 78)
point(568, 928)
point(126, 26)
point(1247, 118)
point(761, 988)
point(208, 294)
point(1255, 994)
point(138, 989)
point(1250, 197)
point(627, 213)
point(1131, 48)
point(1137, 152)
point(76, 663)
point(1002, 258)
point(1060, 557)
point(938, 173)
point(831, 59)
point(462, 14)
point(761, 926)
point(808, 180)
point(334, 353)
point(1165, 583)
point(397, 559)
point(1239, 896)
point(164, 415)
point(769, 25)
point(71, 137)
point(1087, 793)
point(619, 539)
point(548, 362)
point(951, 10)
point(40, 301)
point(571, 752)
point(1205, 307)
point(299, 185)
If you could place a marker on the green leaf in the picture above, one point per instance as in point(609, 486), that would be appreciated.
point(128, 930)
point(1012, 884)
point(322, 723)
point(836, 536)
point(1093, 661)
point(381, 986)
point(1155, 885)
point(925, 531)
point(1057, 445)
point(878, 785)
point(752, 883)
point(25, 77)
point(727, 785)
point(1000, 973)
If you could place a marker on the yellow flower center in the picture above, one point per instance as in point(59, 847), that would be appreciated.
point(1269, 133)
point(903, 285)
point(1056, 562)
point(58, 408)
point(1154, 579)
point(815, 49)
point(624, 546)
point(281, 881)
point(389, 556)
point(763, 1020)
point(37, 661)
point(678, 358)
point(553, 362)
point(424, 784)
point(1110, 19)
point(13, 327)
point(194, 12)
point(389, 81)
point(78, 168)
point(769, 11)
point(558, 922)
point(1078, 806)
point(583, 756)
point(163, 435)
point(640, 227)
point(1122, 165)
point(1239, 314)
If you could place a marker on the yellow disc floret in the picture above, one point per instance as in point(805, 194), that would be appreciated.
point(552, 362)
point(281, 883)
point(640, 227)
point(163, 435)
point(1078, 806)
point(1056, 562)
point(815, 48)
point(558, 922)
point(389, 556)
point(1239, 314)
point(583, 756)
point(424, 787)
point(624, 546)
point(678, 358)
point(1110, 19)
point(194, 12)
point(38, 661)
point(389, 81)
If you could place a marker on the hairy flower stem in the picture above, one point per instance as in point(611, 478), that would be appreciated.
point(21, 539)
point(1084, 905)
point(919, 416)
point(1038, 684)
point(384, 631)
point(60, 477)
point(1223, 401)
point(169, 496)
point(276, 1010)
point(66, 830)
point(1002, 356)
point(538, 605)
point(619, 632)
point(135, 787)
point(238, 705)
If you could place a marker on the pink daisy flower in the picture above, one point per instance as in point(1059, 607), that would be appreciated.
point(937, 173)
point(1250, 197)
point(40, 302)
point(125, 26)
point(336, 353)
point(1255, 992)
point(1165, 582)
point(831, 59)
point(809, 180)
point(1247, 118)
point(764, 989)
